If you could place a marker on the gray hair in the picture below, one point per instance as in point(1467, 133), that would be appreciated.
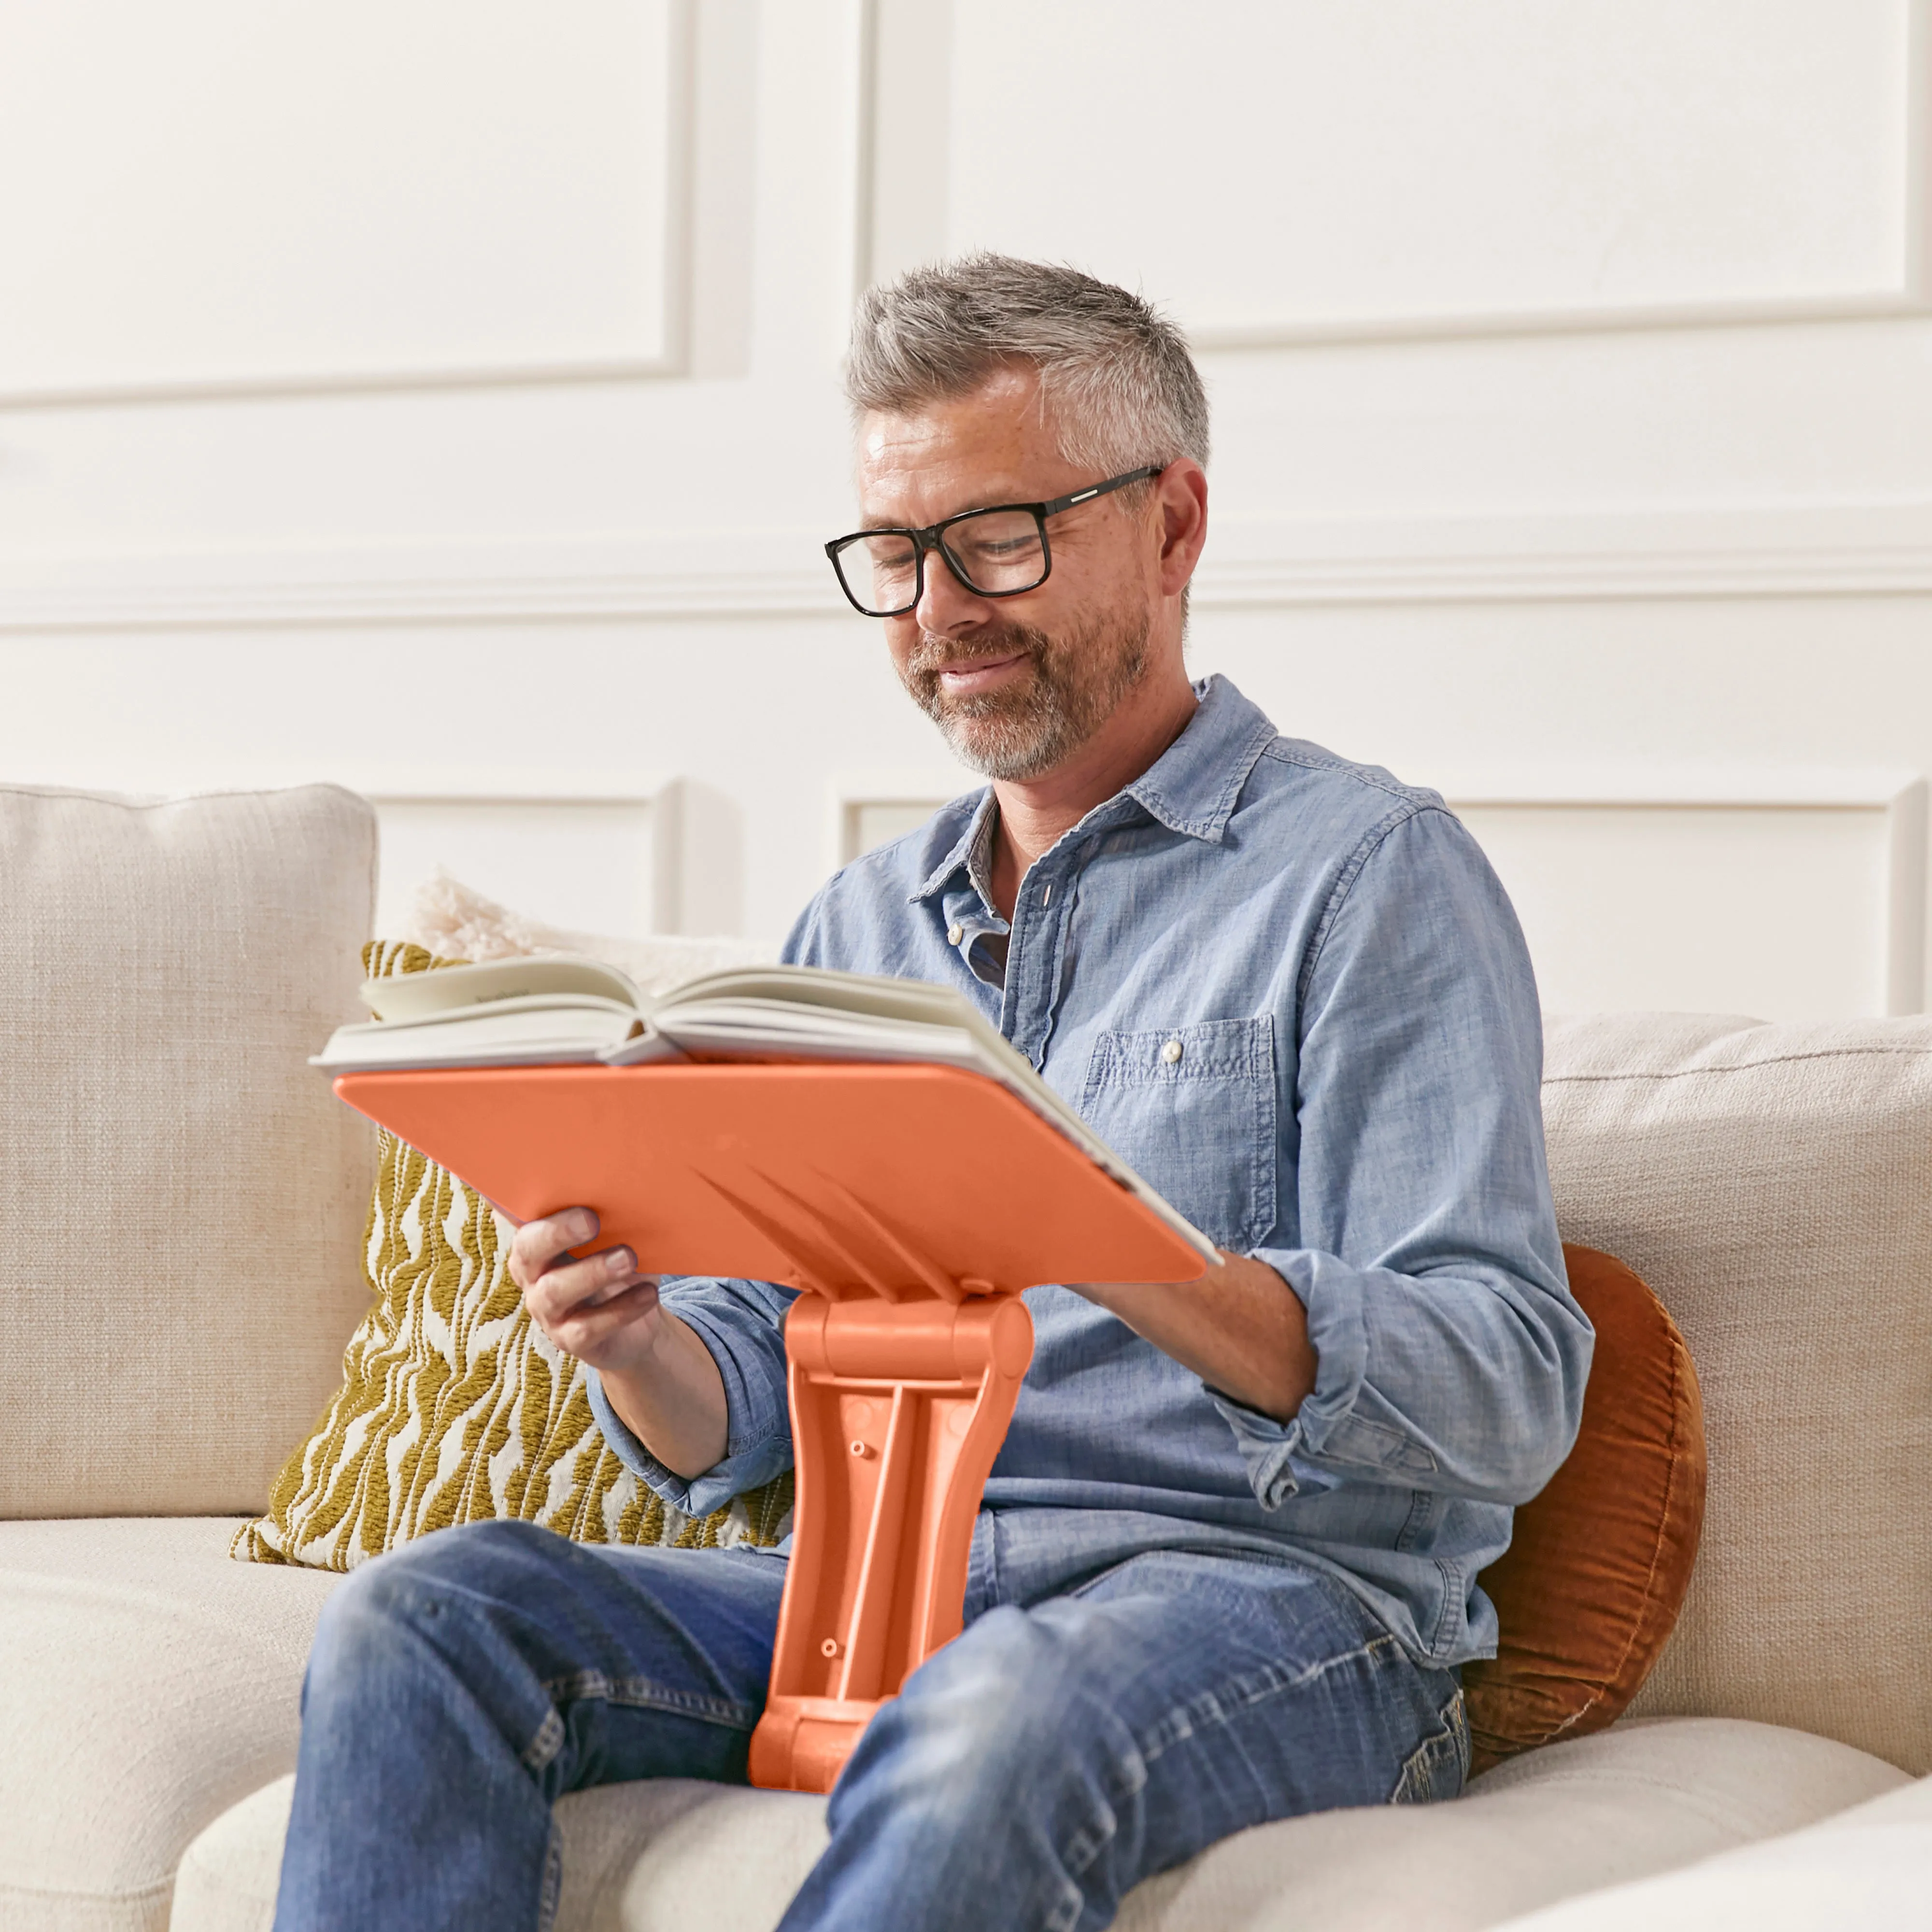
point(1116, 379)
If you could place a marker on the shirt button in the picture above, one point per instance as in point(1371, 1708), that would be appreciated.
point(1172, 1051)
point(954, 934)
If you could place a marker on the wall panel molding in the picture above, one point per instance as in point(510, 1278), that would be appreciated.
point(908, 64)
point(681, 841)
point(1909, 301)
point(1823, 550)
point(709, 58)
point(1892, 805)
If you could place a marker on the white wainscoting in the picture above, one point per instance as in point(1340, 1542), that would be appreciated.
point(1409, 169)
point(578, 855)
point(243, 200)
point(1794, 901)
point(586, 864)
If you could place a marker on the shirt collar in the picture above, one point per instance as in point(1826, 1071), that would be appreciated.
point(978, 825)
point(1192, 787)
point(980, 855)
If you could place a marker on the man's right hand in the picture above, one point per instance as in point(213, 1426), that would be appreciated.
point(599, 1309)
point(659, 1376)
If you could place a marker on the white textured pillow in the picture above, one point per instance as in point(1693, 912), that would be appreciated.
point(456, 921)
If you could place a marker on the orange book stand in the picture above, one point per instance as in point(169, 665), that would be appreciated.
point(911, 1203)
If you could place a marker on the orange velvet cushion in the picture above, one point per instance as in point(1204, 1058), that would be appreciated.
point(1591, 1585)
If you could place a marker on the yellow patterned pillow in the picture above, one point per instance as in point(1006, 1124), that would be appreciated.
point(453, 1408)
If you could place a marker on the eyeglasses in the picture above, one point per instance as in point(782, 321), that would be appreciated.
point(1000, 552)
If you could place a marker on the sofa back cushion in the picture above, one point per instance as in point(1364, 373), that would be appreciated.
point(1774, 1185)
point(183, 1207)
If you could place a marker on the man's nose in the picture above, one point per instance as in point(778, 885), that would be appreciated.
point(946, 607)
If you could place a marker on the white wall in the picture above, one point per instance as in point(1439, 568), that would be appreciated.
point(443, 397)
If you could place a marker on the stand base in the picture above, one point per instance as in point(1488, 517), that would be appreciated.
point(802, 1744)
point(898, 1410)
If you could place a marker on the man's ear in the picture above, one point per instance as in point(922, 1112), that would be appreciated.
point(1181, 490)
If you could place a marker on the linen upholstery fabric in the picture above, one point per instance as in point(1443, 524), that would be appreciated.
point(178, 1227)
point(1598, 1566)
point(453, 1407)
point(1870, 1866)
point(1771, 1183)
point(672, 1854)
point(146, 1685)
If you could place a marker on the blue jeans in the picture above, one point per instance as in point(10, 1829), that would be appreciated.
point(1030, 1772)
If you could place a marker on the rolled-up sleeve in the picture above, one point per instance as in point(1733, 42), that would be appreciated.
point(742, 1323)
point(1451, 1355)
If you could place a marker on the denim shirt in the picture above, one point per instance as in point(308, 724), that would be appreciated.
point(1355, 1102)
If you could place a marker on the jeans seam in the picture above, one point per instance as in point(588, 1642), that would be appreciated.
point(545, 1745)
point(1419, 1765)
point(1456, 1715)
point(551, 1895)
point(642, 1693)
point(1454, 1596)
point(1211, 1708)
point(1243, 1693)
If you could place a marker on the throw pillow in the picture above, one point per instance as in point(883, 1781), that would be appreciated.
point(1596, 1572)
point(451, 918)
point(453, 1407)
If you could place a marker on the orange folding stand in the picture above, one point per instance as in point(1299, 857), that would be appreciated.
point(898, 1409)
point(911, 1203)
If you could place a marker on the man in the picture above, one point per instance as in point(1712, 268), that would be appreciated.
point(1227, 1566)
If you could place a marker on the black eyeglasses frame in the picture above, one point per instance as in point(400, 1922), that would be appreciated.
point(932, 537)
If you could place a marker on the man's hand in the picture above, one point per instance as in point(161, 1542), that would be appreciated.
point(659, 1374)
point(597, 1308)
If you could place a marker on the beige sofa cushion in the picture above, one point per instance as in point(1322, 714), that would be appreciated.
point(670, 1856)
point(146, 1683)
point(184, 1196)
point(1774, 1185)
point(1869, 1867)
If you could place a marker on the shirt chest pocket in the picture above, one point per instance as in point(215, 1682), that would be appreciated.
point(1192, 1110)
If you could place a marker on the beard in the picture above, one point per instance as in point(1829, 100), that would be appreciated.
point(1074, 682)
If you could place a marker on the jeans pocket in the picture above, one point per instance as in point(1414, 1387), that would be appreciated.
point(1436, 1769)
point(1192, 1110)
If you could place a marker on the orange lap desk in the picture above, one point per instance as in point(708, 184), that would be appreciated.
point(912, 1203)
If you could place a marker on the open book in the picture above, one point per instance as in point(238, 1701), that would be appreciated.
point(565, 1010)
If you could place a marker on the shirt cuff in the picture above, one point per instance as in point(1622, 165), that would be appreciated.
point(1271, 1452)
point(1281, 1457)
point(757, 1439)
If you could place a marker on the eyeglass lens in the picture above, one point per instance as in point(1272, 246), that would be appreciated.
point(998, 551)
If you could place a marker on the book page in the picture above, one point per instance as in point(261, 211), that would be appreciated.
point(521, 1032)
point(411, 996)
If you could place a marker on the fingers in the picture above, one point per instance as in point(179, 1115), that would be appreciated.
point(536, 1244)
point(600, 1333)
point(587, 1304)
point(587, 1283)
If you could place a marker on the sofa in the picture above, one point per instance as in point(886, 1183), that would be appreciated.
point(181, 1225)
